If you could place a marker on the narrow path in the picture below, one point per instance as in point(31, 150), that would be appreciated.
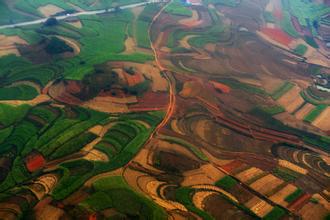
point(171, 105)
point(95, 12)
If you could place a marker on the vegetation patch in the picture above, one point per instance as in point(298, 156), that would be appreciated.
point(276, 213)
point(286, 174)
point(176, 7)
point(293, 196)
point(227, 182)
point(284, 88)
point(114, 192)
point(300, 49)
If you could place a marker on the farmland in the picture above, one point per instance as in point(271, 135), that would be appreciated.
point(214, 109)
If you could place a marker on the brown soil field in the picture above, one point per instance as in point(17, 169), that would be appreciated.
point(303, 112)
point(280, 195)
point(313, 211)
point(266, 184)
point(129, 46)
point(322, 201)
point(206, 174)
point(105, 104)
point(193, 21)
point(49, 212)
point(323, 120)
point(212, 205)
point(49, 10)
point(270, 83)
point(190, 89)
point(291, 100)
point(8, 45)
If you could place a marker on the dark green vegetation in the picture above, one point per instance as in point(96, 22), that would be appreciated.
point(286, 174)
point(276, 213)
point(177, 8)
point(227, 182)
point(235, 84)
point(293, 196)
point(127, 138)
point(7, 16)
point(315, 112)
point(300, 49)
point(184, 196)
point(141, 29)
point(230, 3)
point(114, 192)
point(273, 110)
point(57, 46)
point(51, 131)
point(19, 92)
point(279, 92)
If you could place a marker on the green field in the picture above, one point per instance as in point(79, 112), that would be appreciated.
point(227, 182)
point(315, 113)
point(300, 49)
point(293, 196)
point(176, 7)
point(114, 192)
point(284, 88)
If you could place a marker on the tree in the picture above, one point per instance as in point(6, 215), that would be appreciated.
point(51, 22)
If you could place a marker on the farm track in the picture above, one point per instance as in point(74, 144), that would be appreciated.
point(95, 12)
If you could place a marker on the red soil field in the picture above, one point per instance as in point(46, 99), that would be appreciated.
point(278, 35)
point(278, 13)
point(35, 162)
point(300, 202)
point(222, 87)
point(229, 167)
point(151, 101)
point(132, 80)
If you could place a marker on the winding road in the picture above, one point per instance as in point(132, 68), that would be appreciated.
point(63, 17)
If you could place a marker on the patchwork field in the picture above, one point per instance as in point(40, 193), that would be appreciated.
point(215, 109)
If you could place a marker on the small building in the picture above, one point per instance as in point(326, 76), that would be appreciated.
point(194, 2)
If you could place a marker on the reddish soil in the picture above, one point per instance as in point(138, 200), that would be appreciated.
point(219, 86)
point(278, 35)
point(300, 202)
point(34, 162)
point(278, 14)
point(151, 101)
point(229, 167)
point(132, 80)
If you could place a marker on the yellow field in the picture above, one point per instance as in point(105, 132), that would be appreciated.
point(270, 181)
point(291, 100)
point(323, 120)
point(248, 174)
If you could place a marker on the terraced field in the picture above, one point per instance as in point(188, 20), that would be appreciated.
point(214, 109)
